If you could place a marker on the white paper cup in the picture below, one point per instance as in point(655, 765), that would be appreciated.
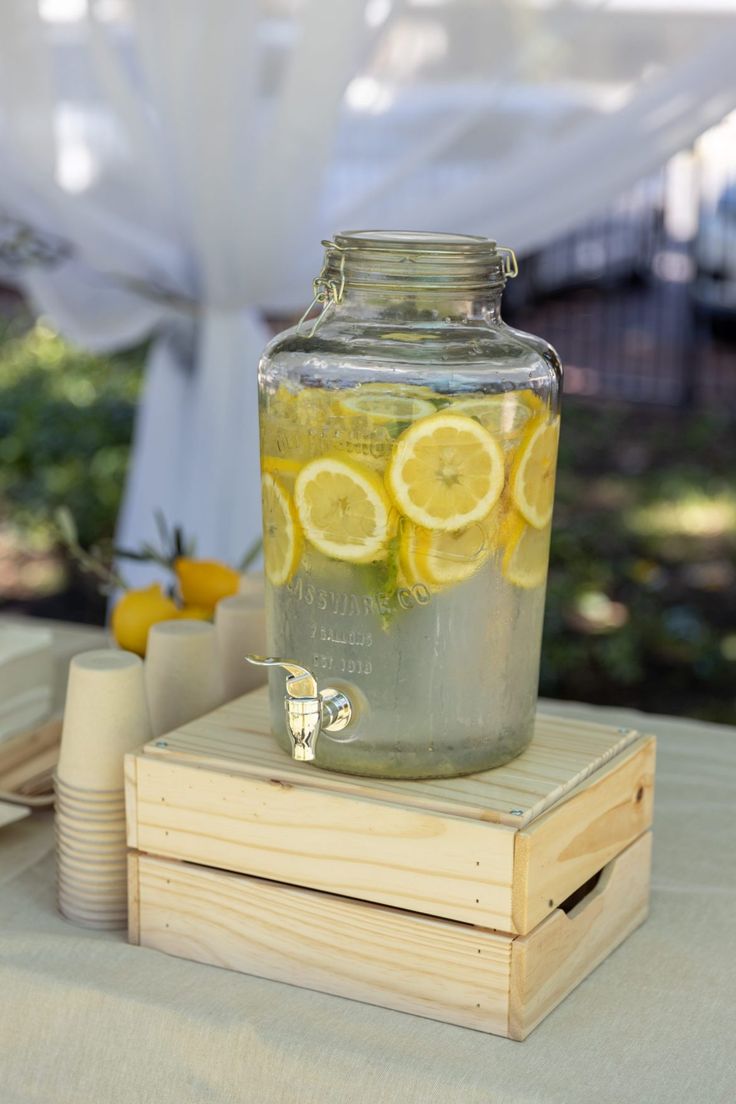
point(240, 625)
point(88, 827)
point(101, 814)
point(102, 894)
point(94, 881)
point(253, 585)
point(183, 677)
point(99, 851)
point(110, 925)
point(105, 717)
point(76, 793)
point(112, 900)
point(93, 836)
point(70, 854)
point(90, 812)
point(91, 918)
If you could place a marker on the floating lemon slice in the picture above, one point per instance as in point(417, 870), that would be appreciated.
point(440, 558)
point(385, 406)
point(408, 544)
point(536, 403)
point(282, 466)
point(313, 404)
point(532, 480)
point(527, 552)
point(446, 472)
point(344, 509)
point(281, 534)
point(501, 414)
point(406, 390)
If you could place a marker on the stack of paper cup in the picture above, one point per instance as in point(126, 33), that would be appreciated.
point(105, 717)
point(240, 625)
point(183, 674)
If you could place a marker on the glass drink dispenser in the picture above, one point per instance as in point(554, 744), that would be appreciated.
point(408, 443)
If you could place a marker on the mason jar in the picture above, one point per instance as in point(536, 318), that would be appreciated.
point(409, 442)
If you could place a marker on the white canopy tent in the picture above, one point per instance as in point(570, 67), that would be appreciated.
point(176, 163)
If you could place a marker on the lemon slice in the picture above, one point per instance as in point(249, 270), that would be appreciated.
point(406, 390)
point(536, 403)
point(532, 480)
point(442, 558)
point(344, 509)
point(313, 403)
point(525, 559)
point(281, 466)
point(282, 541)
point(502, 414)
point(446, 472)
point(385, 406)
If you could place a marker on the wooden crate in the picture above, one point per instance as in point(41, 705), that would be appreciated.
point(415, 895)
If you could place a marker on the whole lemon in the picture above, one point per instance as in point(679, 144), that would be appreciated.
point(203, 583)
point(134, 614)
point(194, 613)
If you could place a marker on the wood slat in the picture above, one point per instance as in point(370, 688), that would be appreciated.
point(562, 754)
point(393, 854)
point(551, 960)
point(433, 968)
point(575, 839)
point(430, 967)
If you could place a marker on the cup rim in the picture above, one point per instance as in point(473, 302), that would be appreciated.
point(115, 827)
point(66, 817)
point(87, 792)
point(92, 920)
point(85, 830)
point(102, 900)
point(107, 925)
point(65, 798)
point(86, 859)
point(69, 892)
point(93, 859)
point(102, 885)
point(101, 897)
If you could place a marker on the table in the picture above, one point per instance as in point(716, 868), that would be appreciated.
point(85, 1018)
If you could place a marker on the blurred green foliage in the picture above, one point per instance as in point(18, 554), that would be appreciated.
point(641, 606)
point(641, 603)
point(66, 419)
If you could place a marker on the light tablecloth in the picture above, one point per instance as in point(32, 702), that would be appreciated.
point(87, 1019)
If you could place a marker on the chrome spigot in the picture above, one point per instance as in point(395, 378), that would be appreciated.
point(309, 710)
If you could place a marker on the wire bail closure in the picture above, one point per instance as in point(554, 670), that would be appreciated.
point(510, 263)
point(329, 285)
point(327, 290)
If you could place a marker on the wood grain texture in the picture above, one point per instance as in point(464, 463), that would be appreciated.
point(401, 856)
point(134, 901)
point(130, 782)
point(433, 968)
point(548, 963)
point(452, 972)
point(560, 850)
point(562, 754)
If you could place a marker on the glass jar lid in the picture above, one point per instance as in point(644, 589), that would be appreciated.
point(404, 259)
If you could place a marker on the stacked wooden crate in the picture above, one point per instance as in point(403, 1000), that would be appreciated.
point(480, 901)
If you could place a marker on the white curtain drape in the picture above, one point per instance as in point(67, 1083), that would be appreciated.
point(182, 161)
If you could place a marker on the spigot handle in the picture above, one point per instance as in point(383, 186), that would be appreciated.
point(309, 710)
point(301, 683)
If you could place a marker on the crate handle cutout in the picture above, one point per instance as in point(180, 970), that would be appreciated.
point(579, 896)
